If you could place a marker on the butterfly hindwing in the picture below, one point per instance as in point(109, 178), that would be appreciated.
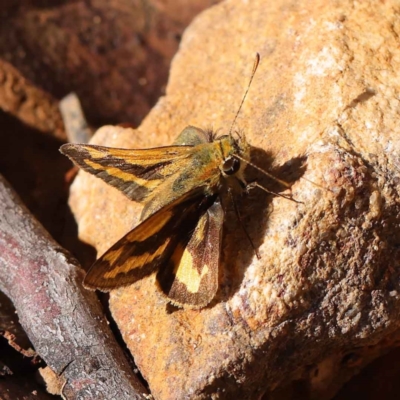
point(190, 277)
point(193, 136)
point(148, 246)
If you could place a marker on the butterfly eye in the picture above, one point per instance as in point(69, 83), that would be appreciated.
point(231, 166)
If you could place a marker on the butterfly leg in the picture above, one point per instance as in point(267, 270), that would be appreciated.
point(254, 185)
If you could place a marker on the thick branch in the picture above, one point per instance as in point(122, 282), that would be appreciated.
point(63, 321)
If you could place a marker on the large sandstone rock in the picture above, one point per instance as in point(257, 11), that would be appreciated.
point(323, 300)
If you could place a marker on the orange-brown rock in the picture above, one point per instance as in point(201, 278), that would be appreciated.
point(327, 285)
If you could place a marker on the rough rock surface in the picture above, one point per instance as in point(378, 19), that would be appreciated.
point(323, 300)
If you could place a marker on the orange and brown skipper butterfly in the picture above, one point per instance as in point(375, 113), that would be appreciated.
point(180, 233)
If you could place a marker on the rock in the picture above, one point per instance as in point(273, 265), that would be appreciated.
point(323, 300)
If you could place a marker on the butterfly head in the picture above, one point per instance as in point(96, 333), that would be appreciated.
point(234, 154)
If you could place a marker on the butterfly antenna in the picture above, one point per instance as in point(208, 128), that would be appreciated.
point(256, 62)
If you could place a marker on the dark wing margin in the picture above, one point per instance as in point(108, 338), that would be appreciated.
point(148, 246)
point(191, 276)
point(136, 173)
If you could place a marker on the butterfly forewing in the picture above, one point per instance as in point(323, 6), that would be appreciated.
point(136, 173)
point(148, 246)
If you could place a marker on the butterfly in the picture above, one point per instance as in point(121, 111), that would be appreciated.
point(180, 187)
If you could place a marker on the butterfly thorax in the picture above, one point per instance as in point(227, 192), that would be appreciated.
point(209, 166)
